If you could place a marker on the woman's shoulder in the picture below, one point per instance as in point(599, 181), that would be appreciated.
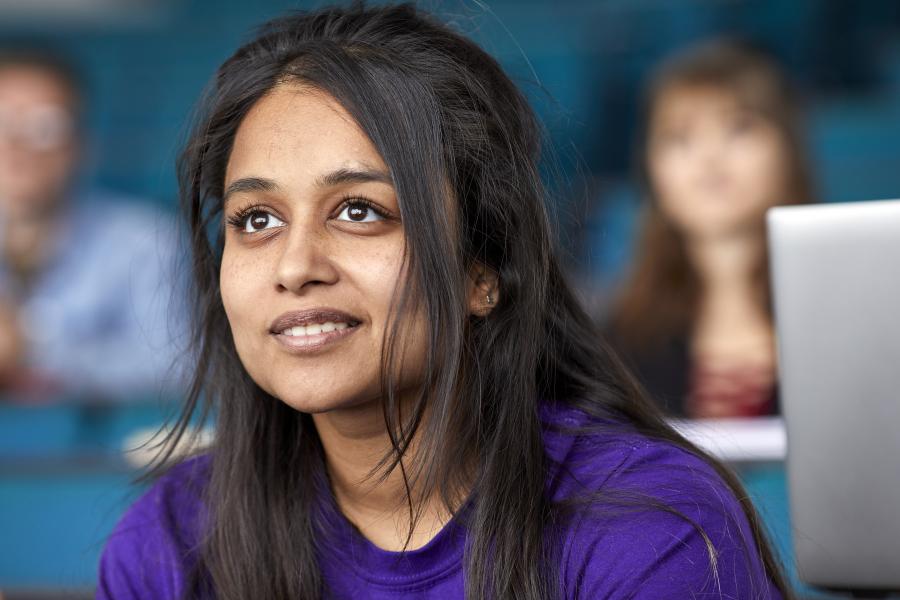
point(148, 553)
point(645, 513)
point(588, 454)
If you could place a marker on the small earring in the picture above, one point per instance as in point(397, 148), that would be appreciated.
point(490, 299)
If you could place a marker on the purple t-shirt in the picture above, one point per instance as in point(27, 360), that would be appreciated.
point(644, 553)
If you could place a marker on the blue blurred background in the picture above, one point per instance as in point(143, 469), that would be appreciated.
point(63, 478)
point(581, 62)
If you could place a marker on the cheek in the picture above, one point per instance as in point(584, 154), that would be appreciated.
point(239, 282)
point(761, 166)
point(38, 171)
point(376, 271)
point(380, 277)
point(670, 174)
point(53, 168)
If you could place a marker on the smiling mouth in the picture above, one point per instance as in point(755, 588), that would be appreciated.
point(310, 330)
point(315, 329)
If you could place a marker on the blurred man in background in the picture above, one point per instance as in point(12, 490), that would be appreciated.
point(86, 279)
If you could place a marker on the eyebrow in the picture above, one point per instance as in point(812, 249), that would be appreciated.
point(334, 178)
point(249, 184)
point(344, 176)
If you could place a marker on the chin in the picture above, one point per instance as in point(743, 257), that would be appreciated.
point(716, 226)
point(315, 402)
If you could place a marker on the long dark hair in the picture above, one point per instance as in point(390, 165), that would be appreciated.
point(662, 267)
point(444, 117)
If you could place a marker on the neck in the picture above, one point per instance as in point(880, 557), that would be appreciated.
point(727, 269)
point(355, 440)
point(727, 264)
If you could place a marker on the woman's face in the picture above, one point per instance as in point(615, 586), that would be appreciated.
point(714, 167)
point(313, 254)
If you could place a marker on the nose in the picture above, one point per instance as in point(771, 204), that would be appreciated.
point(305, 262)
point(709, 147)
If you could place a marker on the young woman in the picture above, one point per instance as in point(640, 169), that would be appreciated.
point(722, 144)
point(409, 401)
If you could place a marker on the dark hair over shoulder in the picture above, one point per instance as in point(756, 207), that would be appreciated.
point(462, 146)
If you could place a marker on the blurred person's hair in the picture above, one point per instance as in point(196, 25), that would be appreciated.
point(661, 295)
point(41, 57)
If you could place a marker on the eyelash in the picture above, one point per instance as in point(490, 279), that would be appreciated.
point(239, 220)
point(358, 201)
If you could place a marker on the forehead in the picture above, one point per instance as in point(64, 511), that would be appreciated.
point(24, 85)
point(684, 102)
point(294, 133)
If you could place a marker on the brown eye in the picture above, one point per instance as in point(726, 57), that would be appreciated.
point(259, 220)
point(359, 212)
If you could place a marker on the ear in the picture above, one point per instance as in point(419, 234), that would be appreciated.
point(484, 290)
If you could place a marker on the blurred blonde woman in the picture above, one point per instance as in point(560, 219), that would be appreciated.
point(722, 143)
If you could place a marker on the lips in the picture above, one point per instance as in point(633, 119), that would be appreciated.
point(311, 331)
point(312, 317)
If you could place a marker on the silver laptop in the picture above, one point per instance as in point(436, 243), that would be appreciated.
point(836, 285)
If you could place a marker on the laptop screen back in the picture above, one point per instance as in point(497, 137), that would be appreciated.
point(836, 286)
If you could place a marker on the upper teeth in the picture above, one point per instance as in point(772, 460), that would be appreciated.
point(315, 328)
